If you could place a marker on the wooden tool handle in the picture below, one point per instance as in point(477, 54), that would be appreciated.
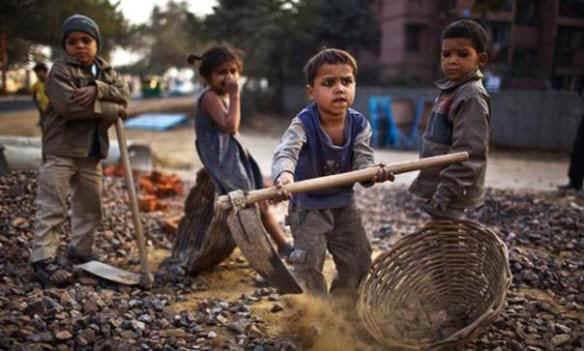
point(147, 279)
point(342, 179)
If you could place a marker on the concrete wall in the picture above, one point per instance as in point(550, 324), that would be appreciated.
point(545, 120)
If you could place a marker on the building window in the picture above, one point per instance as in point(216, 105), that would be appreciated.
point(413, 32)
point(447, 5)
point(569, 40)
point(500, 38)
point(507, 6)
point(500, 33)
point(525, 63)
point(527, 12)
point(571, 83)
point(572, 8)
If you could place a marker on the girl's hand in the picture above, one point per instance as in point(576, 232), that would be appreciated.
point(231, 86)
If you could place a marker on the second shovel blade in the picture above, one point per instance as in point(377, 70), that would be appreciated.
point(112, 273)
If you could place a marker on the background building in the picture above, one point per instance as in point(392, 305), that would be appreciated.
point(536, 44)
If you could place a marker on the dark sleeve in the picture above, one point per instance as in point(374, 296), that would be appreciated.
point(59, 90)
point(108, 111)
point(287, 152)
point(470, 133)
point(363, 154)
point(117, 91)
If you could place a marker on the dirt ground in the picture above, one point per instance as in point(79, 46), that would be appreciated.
point(175, 151)
point(507, 170)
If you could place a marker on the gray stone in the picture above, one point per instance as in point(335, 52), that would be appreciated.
point(63, 335)
point(560, 339)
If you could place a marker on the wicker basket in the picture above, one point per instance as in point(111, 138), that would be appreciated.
point(436, 288)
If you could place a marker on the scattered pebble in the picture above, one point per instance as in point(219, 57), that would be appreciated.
point(544, 309)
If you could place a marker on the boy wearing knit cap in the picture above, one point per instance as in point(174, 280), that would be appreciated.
point(86, 97)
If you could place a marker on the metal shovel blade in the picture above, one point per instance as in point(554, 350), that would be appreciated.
point(250, 235)
point(111, 273)
point(140, 158)
point(3, 164)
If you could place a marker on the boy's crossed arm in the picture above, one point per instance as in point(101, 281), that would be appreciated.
point(64, 96)
point(117, 91)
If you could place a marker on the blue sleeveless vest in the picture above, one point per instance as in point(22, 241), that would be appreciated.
point(320, 157)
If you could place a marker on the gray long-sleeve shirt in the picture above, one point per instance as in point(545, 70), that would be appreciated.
point(286, 154)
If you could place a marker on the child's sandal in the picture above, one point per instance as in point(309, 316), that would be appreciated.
point(49, 272)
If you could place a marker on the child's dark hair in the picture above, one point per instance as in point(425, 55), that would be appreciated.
point(468, 29)
point(331, 57)
point(213, 58)
point(40, 66)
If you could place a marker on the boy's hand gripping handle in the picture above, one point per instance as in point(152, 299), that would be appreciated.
point(343, 179)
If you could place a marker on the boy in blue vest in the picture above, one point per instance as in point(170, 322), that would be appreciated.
point(327, 137)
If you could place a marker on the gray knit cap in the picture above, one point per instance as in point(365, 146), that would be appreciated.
point(80, 23)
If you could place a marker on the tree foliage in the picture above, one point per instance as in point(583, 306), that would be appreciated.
point(278, 36)
point(167, 38)
point(27, 22)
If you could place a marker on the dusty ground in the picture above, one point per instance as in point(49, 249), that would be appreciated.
point(23, 122)
point(229, 308)
point(174, 149)
point(507, 169)
point(542, 229)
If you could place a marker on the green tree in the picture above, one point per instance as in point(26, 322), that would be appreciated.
point(27, 22)
point(40, 22)
point(348, 24)
point(167, 38)
point(278, 36)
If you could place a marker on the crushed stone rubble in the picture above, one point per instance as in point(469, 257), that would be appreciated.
point(544, 309)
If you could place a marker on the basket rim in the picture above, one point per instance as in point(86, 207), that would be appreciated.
point(486, 317)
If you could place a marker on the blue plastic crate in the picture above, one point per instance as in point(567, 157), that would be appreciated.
point(385, 130)
point(156, 121)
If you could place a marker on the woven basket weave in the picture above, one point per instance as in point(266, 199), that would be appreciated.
point(436, 288)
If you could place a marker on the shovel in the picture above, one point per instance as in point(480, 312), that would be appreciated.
point(106, 271)
point(247, 229)
point(225, 202)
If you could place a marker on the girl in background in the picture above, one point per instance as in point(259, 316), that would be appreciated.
point(217, 119)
